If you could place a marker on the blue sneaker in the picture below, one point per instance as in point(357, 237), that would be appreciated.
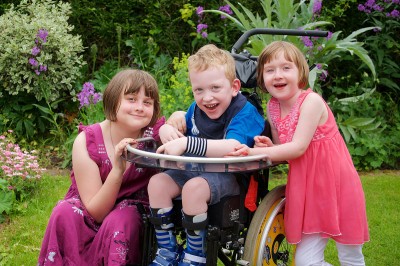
point(192, 260)
point(165, 257)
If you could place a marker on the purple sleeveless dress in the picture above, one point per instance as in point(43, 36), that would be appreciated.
point(73, 237)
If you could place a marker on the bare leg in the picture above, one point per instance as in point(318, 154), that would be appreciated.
point(196, 195)
point(162, 189)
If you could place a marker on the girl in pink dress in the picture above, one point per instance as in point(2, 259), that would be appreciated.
point(97, 222)
point(324, 195)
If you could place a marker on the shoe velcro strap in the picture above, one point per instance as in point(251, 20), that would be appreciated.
point(195, 226)
point(160, 220)
point(192, 258)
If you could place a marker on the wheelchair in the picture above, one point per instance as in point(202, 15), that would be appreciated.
point(237, 234)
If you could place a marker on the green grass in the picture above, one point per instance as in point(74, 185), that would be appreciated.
point(21, 235)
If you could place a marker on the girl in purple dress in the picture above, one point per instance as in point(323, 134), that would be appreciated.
point(97, 223)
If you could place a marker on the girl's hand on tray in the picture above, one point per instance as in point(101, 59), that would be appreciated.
point(240, 150)
point(262, 141)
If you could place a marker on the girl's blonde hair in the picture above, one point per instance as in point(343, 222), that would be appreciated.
point(211, 56)
point(291, 53)
point(130, 81)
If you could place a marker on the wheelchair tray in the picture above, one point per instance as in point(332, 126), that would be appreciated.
point(146, 157)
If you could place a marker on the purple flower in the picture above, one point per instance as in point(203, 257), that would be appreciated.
point(226, 9)
point(42, 68)
point(33, 62)
point(37, 72)
point(97, 97)
point(199, 9)
point(370, 3)
point(324, 75)
point(317, 7)
point(378, 8)
point(395, 13)
point(361, 7)
point(42, 34)
point(201, 27)
point(35, 50)
point(204, 34)
point(88, 95)
point(307, 41)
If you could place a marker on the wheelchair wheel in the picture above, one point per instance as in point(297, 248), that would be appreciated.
point(265, 241)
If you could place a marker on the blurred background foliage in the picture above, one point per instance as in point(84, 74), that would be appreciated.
point(158, 36)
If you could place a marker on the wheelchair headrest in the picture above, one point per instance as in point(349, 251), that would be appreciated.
point(246, 69)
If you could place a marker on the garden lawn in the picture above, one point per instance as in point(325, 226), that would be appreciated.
point(21, 235)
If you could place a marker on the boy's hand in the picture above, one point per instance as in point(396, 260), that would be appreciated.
point(262, 141)
point(174, 147)
point(169, 133)
point(240, 150)
point(177, 120)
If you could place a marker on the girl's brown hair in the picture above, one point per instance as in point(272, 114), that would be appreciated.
point(130, 81)
point(291, 53)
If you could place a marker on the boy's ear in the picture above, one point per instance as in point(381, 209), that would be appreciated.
point(235, 87)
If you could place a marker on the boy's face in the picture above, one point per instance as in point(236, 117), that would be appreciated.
point(212, 90)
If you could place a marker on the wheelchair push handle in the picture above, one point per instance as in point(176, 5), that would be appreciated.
point(249, 33)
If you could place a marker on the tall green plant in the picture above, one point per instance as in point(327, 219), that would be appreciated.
point(383, 41)
point(290, 14)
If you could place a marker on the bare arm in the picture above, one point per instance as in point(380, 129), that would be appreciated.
point(313, 112)
point(215, 148)
point(97, 197)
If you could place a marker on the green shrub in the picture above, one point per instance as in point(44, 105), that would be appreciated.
point(38, 55)
point(178, 96)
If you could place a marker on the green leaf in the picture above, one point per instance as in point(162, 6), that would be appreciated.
point(6, 201)
point(346, 133)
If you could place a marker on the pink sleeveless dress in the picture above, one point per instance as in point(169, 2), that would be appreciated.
point(74, 238)
point(324, 192)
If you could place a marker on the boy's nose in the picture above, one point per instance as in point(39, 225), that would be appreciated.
point(208, 96)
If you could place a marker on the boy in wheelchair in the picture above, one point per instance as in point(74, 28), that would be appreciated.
point(218, 120)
